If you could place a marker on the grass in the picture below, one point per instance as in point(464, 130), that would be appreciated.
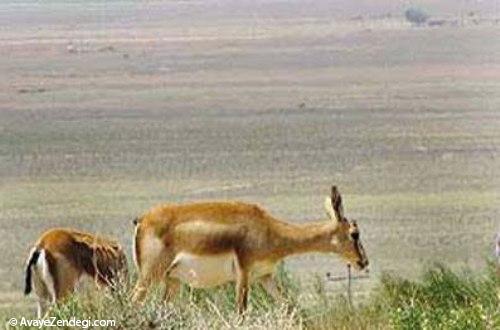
point(444, 299)
point(439, 299)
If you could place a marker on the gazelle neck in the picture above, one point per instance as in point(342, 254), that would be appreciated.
point(303, 238)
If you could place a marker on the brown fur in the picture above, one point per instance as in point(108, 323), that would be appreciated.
point(70, 254)
point(93, 255)
point(213, 228)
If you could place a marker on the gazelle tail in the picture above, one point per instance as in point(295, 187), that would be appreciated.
point(32, 260)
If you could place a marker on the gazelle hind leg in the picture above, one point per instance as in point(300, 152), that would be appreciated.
point(153, 262)
point(44, 285)
point(42, 308)
point(147, 254)
point(66, 277)
point(43, 296)
point(172, 286)
point(157, 273)
point(269, 284)
point(141, 288)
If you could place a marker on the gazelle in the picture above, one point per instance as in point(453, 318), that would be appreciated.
point(62, 256)
point(212, 243)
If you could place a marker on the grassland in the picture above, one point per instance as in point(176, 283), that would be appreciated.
point(103, 115)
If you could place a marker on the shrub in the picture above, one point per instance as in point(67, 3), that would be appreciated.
point(441, 299)
point(416, 16)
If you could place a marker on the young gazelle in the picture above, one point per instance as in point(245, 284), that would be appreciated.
point(62, 256)
point(208, 244)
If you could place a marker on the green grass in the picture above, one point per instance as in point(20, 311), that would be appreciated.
point(439, 299)
point(444, 299)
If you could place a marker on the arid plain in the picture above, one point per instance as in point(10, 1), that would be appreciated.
point(105, 113)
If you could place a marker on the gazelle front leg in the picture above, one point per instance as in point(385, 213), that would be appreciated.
point(241, 286)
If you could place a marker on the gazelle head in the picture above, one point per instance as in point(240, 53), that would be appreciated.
point(346, 235)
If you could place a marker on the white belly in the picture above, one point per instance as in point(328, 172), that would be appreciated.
point(204, 271)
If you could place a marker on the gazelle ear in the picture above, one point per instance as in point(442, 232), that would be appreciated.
point(329, 209)
point(336, 202)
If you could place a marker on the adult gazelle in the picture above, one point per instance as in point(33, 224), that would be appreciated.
point(212, 243)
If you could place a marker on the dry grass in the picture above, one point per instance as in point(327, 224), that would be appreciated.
point(440, 298)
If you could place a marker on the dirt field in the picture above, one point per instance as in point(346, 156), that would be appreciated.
point(103, 115)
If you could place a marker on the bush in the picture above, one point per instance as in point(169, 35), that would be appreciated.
point(442, 299)
point(416, 16)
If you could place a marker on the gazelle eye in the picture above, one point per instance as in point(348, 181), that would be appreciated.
point(355, 236)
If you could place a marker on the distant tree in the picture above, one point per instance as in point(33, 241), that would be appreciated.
point(416, 16)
